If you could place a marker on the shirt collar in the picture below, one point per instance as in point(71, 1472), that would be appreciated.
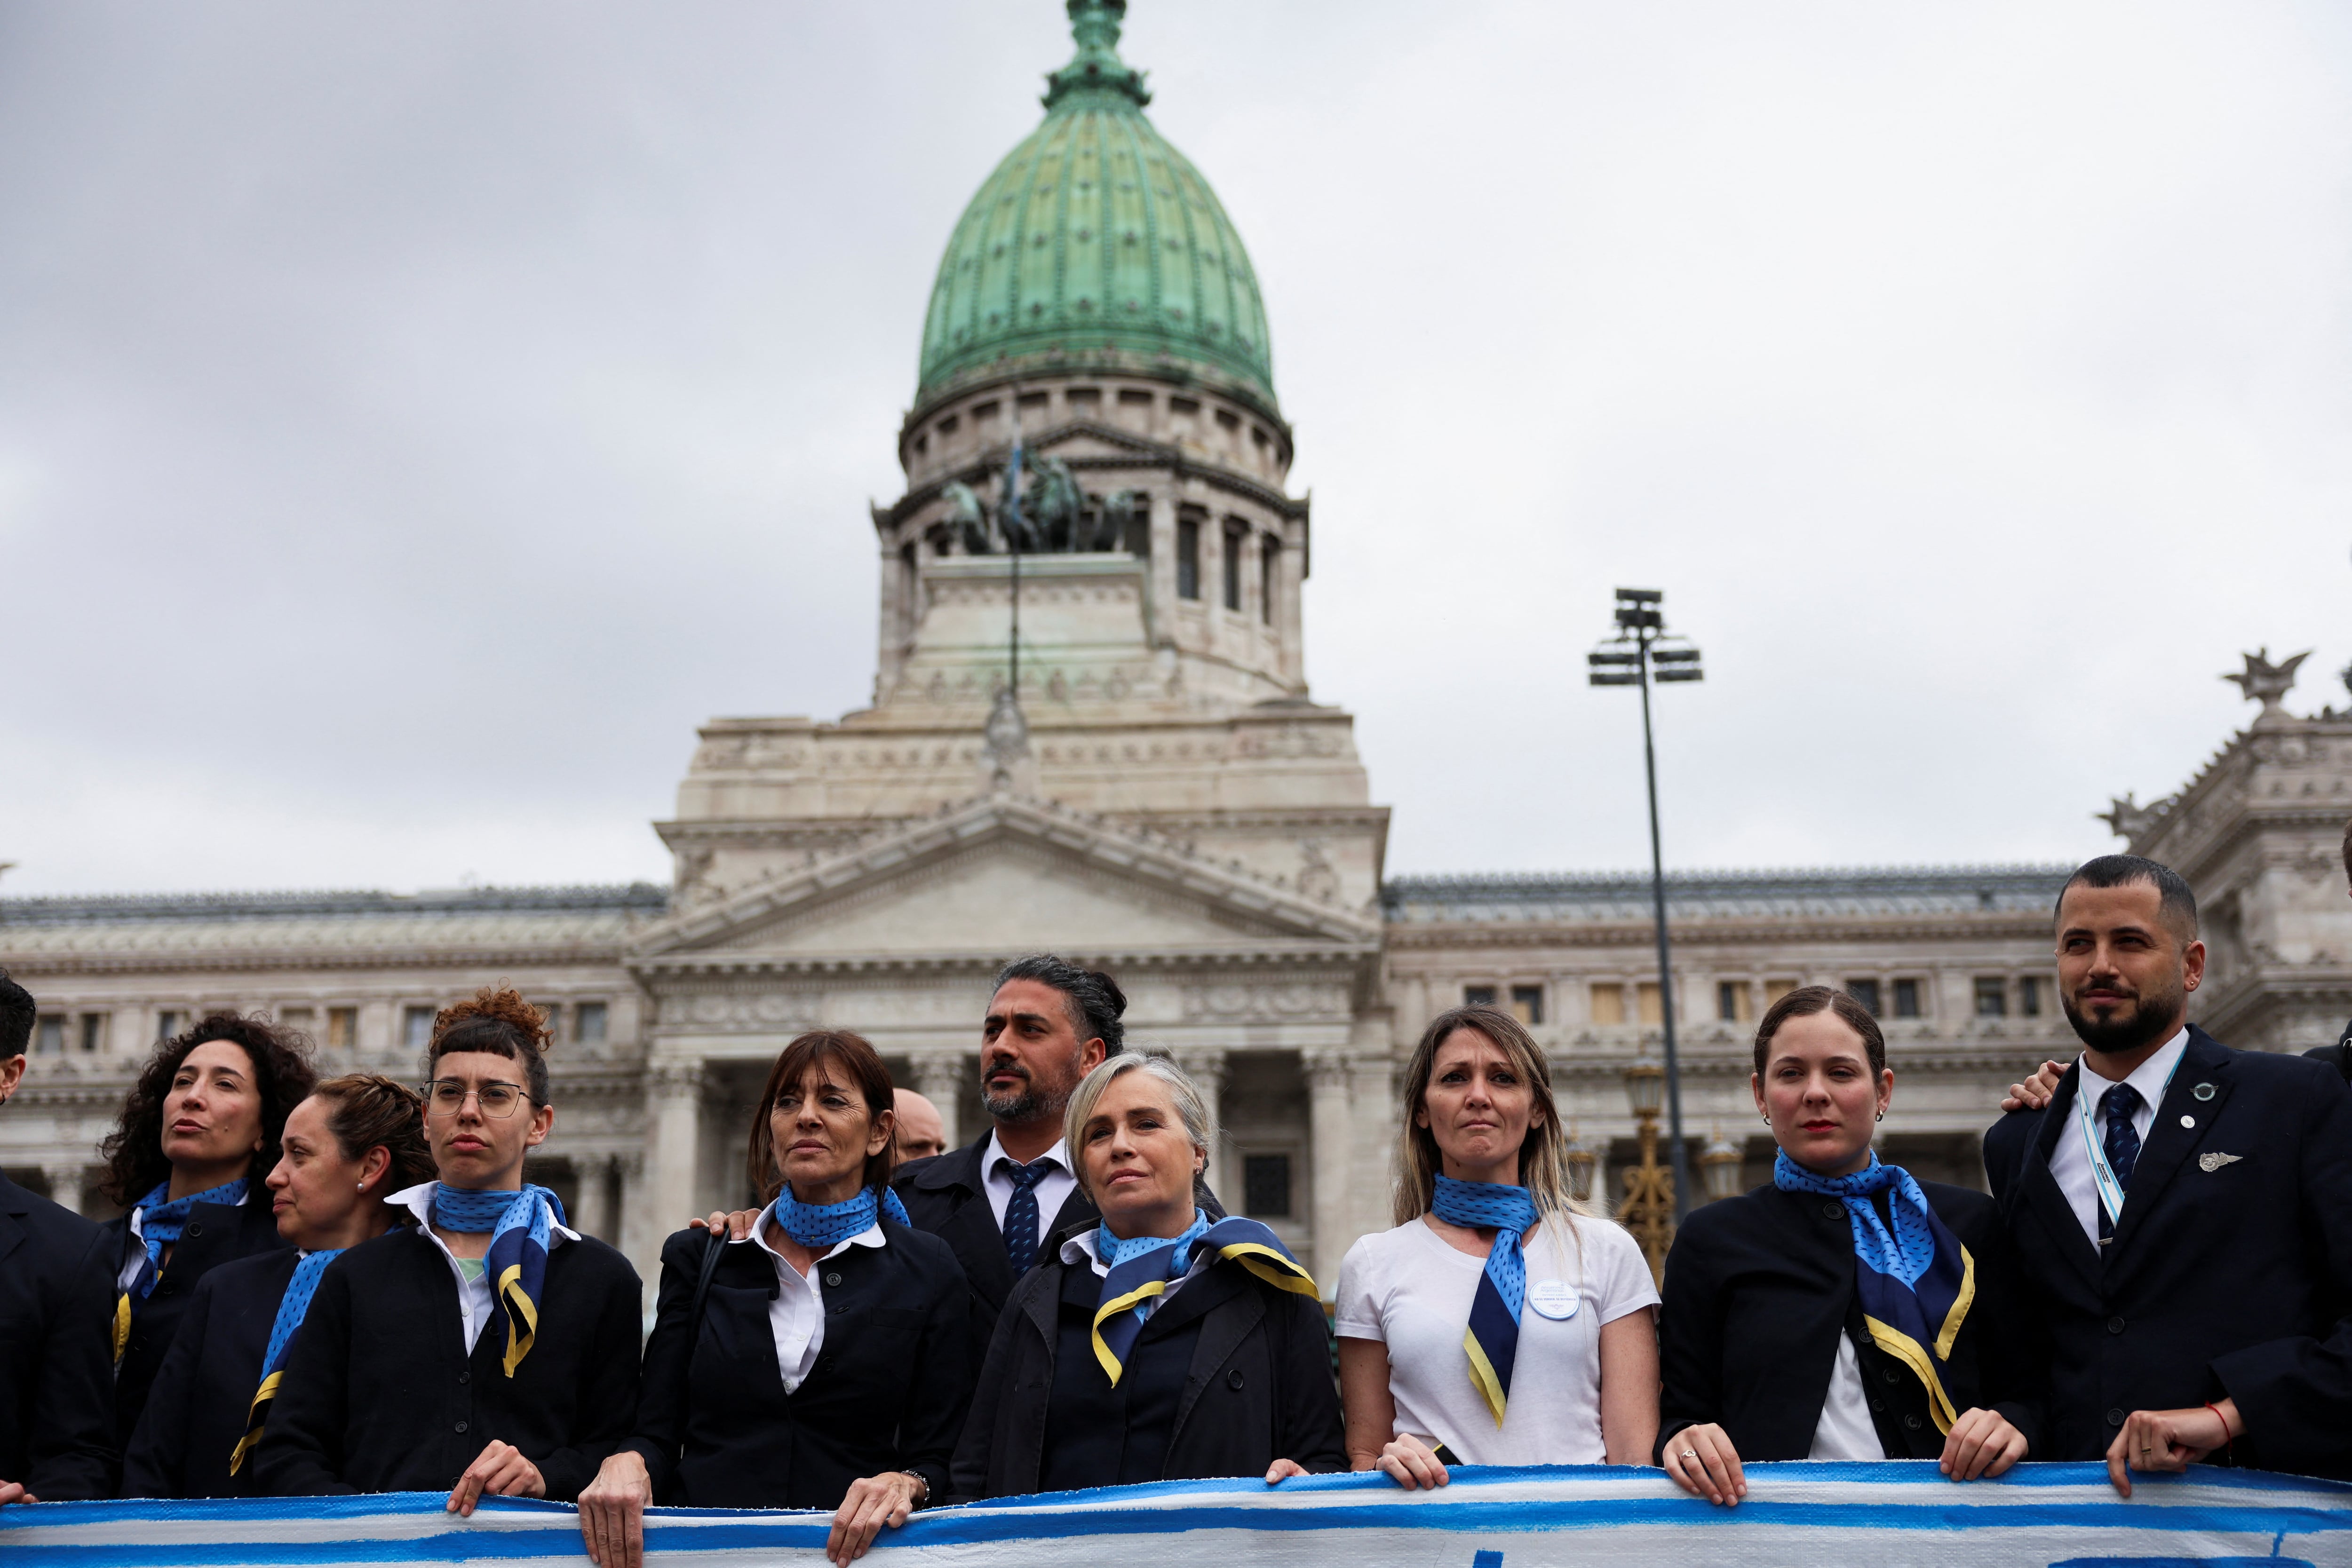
point(1059, 1154)
point(418, 1201)
point(1080, 1248)
point(869, 1236)
point(2149, 1077)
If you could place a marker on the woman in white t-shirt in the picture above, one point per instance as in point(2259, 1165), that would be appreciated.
point(1502, 1322)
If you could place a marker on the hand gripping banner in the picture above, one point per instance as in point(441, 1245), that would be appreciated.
point(1894, 1515)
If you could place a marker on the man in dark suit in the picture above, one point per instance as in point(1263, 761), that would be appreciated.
point(999, 1200)
point(57, 1298)
point(2183, 1211)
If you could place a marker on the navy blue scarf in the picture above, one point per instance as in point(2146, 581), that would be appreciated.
point(831, 1224)
point(160, 1225)
point(519, 1225)
point(1151, 1263)
point(1492, 1339)
point(292, 1307)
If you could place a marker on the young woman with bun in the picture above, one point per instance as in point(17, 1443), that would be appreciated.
point(486, 1350)
point(356, 1139)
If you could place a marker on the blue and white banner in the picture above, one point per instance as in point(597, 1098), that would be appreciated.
point(1883, 1515)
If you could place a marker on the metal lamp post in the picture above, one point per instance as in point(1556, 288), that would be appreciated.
point(1718, 1169)
point(1649, 1190)
point(1640, 652)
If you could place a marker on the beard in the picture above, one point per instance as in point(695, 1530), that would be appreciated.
point(2149, 1020)
point(1031, 1102)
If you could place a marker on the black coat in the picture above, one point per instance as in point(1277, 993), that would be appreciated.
point(887, 1392)
point(2228, 1275)
point(57, 1350)
point(216, 1233)
point(381, 1396)
point(944, 1196)
point(1758, 1288)
point(195, 1411)
point(1259, 1387)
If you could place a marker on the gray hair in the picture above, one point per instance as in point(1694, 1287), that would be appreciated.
point(1200, 1122)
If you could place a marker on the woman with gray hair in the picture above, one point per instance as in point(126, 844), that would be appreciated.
point(1154, 1346)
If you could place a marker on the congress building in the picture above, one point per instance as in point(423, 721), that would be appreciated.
point(1095, 444)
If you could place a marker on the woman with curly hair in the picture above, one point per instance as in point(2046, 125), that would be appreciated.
point(200, 1128)
point(487, 1349)
point(356, 1139)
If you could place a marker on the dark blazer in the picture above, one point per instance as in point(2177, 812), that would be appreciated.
point(215, 1234)
point(381, 1396)
point(2230, 1274)
point(56, 1351)
point(1259, 1387)
point(887, 1392)
point(195, 1411)
point(1758, 1288)
point(944, 1196)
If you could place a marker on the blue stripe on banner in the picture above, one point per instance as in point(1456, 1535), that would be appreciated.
point(1486, 1560)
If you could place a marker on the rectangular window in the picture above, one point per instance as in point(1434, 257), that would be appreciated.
point(416, 1027)
point(51, 1038)
point(1184, 405)
point(1188, 558)
point(1236, 537)
point(1648, 1005)
point(948, 425)
point(1230, 420)
point(93, 1031)
point(1992, 996)
point(1731, 1002)
point(1775, 990)
point(1866, 992)
point(980, 411)
point(588, 1021)
point(554, 1011)
point(1135, 395)
point(1477, 996)
point(2029, 997)
point(1030, 399)
point(1907, 998)
point(1269, 556)
point(922, 444)
point(343, 1028)
point(1609, 1003)
point(1265, 1186)
point(1083, 397)
point(167, 1023)
point(1527, 1004)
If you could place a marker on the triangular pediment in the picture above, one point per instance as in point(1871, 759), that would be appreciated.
point(1004, 874)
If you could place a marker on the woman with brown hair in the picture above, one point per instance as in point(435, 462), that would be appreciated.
point(823, 1361)
point(200, 1126)
point(1848, 1310)
point(1501, 1321)
point(356, 1139)
point(487, 1350)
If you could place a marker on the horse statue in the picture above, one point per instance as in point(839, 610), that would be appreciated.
point(1055, 504)
point(966, 517)
point(1119, 510)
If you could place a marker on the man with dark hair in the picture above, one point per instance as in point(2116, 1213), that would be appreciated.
point(2184, 1211)
point(1000, 1199)
point(57, 1295)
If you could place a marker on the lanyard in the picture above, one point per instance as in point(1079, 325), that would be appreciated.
point(2111, 1191)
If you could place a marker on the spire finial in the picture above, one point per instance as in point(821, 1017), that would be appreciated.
point(1097, 67)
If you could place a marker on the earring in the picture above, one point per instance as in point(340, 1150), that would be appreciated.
point(1882, 1116)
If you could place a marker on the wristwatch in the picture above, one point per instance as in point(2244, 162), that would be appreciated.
point(924, 1497)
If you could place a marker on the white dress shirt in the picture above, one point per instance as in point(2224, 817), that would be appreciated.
point(796, 1317)
point(1053, 1190)
point(138, 1257)
point(2070, 1163)
point(474, 1303)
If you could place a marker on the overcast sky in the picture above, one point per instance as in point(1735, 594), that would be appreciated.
point(414, 420)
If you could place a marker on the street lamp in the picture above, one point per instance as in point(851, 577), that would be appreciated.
point(1581, 1161)
point(1718, 1169)
point(1649, 1190)
point(1643, 652)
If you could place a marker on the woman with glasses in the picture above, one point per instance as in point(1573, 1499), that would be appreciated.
point(198, 1132)
point(486, 1350)
point(830, 1362)
point(1848, 1310)
point(353, 1140)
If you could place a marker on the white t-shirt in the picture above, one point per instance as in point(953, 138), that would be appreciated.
point(1844, 1430)
point(1411, 1289)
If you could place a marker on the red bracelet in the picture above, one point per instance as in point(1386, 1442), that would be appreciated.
point(2228, 1442)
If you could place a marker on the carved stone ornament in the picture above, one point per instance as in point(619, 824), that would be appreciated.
point(2265, 682)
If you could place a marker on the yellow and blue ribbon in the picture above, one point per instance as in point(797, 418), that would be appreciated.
point(1916, 1281)
point(519, 1225)
point(292, 1307)
point(1144, 1268)
point(1492, 1339)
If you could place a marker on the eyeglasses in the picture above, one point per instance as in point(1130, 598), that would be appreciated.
point(447, 1095)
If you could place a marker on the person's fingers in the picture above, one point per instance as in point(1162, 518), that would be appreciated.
point(1674, 1473)
point(633, 1535)
point(1282, 1470)
point(1395, 1469)
point(739, 1224)
point(2118, 1473)
point(14, 1491)
point(2013, 1448)
point(591, 1526)
point(1720, 1467)
point(468, 1491)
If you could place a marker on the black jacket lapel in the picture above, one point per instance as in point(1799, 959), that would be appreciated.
point(2204, 1060)
point(2040, 1191)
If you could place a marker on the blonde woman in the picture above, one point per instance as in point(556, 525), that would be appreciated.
point(1501, 1321)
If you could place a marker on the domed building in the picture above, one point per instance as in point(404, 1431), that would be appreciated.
point(1091, 733)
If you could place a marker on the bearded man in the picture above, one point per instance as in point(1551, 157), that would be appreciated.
point(2183, 1210)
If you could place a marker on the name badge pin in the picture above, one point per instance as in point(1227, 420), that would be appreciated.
point(2188, 1121)
point(1555, 1299)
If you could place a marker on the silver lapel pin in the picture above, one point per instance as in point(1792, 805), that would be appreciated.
point(2209, 1164)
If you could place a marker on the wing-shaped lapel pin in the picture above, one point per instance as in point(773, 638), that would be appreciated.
point(2209, 1164)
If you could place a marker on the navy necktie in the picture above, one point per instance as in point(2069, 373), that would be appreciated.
point(2122, 1145)
point(1021, 1213)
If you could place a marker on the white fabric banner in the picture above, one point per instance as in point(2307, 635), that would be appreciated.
point(1895, 1515)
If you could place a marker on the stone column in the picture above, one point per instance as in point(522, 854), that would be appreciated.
point(1329, 1125)
point(634, 1232)
point(65, 1186)
point(938, 1078)
point(674, 1090)
point(1205, 1065)
point(595, 1216)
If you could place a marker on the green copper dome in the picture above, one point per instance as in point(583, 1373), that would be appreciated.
point(1096, 242)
